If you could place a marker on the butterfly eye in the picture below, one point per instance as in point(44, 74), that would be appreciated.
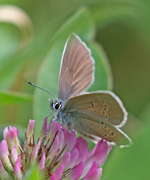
point(57, 105)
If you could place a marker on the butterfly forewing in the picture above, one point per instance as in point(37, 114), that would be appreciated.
point(104, 105)
point(77, 68)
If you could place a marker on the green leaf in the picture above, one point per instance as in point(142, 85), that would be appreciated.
point(145, 113)
point(9, 97)
point(103, 74)
point(106, 12)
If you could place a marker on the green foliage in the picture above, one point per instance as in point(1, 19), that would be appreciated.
point(117, 32)
point(14, 98)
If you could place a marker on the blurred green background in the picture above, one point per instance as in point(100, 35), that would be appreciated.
point(32, 37)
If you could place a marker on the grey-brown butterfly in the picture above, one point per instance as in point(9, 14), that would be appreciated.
point(94, 115)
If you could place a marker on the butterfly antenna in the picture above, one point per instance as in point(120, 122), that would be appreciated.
point(40, 88)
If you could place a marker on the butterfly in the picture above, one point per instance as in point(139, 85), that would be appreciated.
point(94, 115)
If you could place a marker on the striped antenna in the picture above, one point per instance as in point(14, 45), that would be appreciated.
point(40, 88)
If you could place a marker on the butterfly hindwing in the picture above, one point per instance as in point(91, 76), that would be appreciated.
point(88, 128)
point(98, 115)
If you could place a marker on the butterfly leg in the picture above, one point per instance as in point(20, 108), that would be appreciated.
point(55, 119)
point(71, 129)
point(49, 114)
point(61, 121)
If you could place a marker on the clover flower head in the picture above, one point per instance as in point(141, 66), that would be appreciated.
point(57, 154)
